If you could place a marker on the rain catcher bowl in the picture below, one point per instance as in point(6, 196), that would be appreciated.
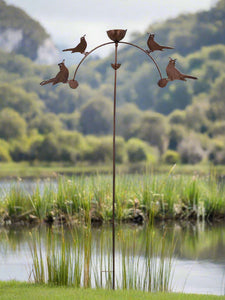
point(116, 35)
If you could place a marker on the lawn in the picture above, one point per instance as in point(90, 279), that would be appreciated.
point(25, 291)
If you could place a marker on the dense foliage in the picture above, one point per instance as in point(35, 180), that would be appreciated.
point(180, 123)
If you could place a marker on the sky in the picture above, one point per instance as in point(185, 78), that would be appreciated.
point(67, 20)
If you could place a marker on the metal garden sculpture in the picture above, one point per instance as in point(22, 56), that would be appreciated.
point(117, 35)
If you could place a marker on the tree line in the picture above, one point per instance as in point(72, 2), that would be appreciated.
point(182, 123)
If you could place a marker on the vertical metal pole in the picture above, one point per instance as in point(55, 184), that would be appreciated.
point(114, 163)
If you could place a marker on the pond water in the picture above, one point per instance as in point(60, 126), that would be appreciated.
point(198, 251)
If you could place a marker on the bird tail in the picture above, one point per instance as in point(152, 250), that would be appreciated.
point(47, 81)
point(191, 77)
point(70, 49)
point(166, 47)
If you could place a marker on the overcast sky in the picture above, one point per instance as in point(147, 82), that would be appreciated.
point(67, 20)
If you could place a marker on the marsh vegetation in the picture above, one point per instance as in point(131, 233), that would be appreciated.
point(139, 199)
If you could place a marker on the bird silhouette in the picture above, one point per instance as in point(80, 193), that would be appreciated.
point(81, 47)
point(174, 74)
point(153, 46)
point(62, 76)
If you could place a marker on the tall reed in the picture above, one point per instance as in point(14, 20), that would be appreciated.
point(86, 199)
point(58, 263)
point(84, 260)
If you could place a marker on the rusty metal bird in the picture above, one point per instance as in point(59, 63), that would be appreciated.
point(81, 47)
point(174, 74)
point(62, 76)
point(153, 46)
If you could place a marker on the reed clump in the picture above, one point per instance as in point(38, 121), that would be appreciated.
point(139, 198)
point(76, 258)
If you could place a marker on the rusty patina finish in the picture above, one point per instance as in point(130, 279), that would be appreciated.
point(116, 35)
point(81, 47)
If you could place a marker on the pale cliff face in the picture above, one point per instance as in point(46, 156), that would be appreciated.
point(47, 53)
point(12, 39)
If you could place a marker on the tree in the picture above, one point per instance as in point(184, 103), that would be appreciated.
point(176, 135)
point(12, 125)
point(129, 117)
point(217, 100)
point(138, 150)
point(196, 115)
point(27, 104)
point(171, 157)
point(100, 149)
point(70, 121)
point(4, 152)
point(49, 149)
point(190, 150)
point(46, 123)
point(96, 116)
point(177, 98)
point(153, 129)
point(177, 117)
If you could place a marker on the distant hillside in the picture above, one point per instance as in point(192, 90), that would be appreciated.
point(189, 34)
point(184, 122)
point(19, 33)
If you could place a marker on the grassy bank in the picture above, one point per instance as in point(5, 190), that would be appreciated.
point(139, 198)
point(25, 291)
point(50, 170)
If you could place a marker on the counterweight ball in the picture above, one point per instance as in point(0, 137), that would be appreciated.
point(162, 82)
point(73, 84)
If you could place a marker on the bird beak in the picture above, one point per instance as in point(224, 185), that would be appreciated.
point(84, 35)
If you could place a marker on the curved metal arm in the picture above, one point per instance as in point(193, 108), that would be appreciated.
point(145, 53)
point(126, 43)
point(88, 55)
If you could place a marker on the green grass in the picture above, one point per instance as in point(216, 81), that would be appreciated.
point(25, 291)
point(50, 170)
point(85, 198)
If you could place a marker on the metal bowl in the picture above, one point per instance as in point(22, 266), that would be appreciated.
point(116, 35)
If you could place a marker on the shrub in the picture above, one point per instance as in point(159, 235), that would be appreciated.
point(177, 117)
point(171, 157)
point(217, 152)
point(96, 116)
point(218, 128)
point(100, 149)
point(12, 125)
point(138, 150)
point(176, 134)
point(4, 152)
point(153, 129)
point(19, 150)
point(190, 150)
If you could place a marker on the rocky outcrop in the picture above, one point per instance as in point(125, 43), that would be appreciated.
point(20, 34)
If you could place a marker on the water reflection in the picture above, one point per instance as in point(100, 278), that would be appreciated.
point(27, 185)
point(199, 252)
